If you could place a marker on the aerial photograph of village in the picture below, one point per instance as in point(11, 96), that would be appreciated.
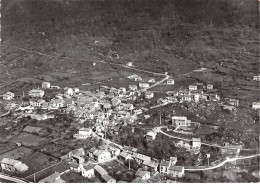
point(129, 91)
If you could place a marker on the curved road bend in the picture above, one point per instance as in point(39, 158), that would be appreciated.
point(12, 179)
point(222, 163)
point(158, 129)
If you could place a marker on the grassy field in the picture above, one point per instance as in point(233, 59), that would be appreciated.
point(29, 139)
point(17, 153)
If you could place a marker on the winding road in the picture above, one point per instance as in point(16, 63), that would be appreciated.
point(12, 179)
point(159, 129)
point(222, 163)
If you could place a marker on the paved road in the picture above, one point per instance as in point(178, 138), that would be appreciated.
point(158, 129)
point(12, 179)
point(222, 163)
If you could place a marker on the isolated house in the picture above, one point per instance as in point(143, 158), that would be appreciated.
point(143, 85)
point(196, 143)
point(256, 105)
point(234, 102)
point(193, 87)
point(36, 93)
point(129, 64)
point(256, 78)
point(179, 121)
point(170, 82)
point(8, 96)
point(151, 135)
point(209, 87)
point(13, 165)
point(46, 85)
point(151, 80)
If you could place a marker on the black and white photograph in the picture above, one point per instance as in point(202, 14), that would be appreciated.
point(129, 91)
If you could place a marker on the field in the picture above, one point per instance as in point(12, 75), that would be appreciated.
point(29, 139)
point(17, 153)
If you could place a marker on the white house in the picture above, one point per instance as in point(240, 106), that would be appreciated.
point(46, 85)
point(170, 82)
point(36, 93)
point(196, 143)
point(149, 95)
point(256, 78)
point(209, 87)
point(129, 64)
point(68, 91)
point(133, 87)
point(101, 155)
point(8, 96)
point(88, 170)
point(176, 171)
point(83, 133)
point(179, 121)
point(193, 87)
point(144, 85)
point(256, 105)
point(13, 165)
point(151, 135)
point(151, 80)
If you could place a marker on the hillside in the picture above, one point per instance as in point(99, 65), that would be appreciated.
point(155, 33)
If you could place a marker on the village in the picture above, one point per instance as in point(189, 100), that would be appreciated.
point(93, 116)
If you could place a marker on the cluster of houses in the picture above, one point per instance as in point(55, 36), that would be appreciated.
point(150, 166)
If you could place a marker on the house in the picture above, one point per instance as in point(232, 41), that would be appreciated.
point(129, 150)
point(176, 171)
point(36, 102)
point(193, 87)
point(187, 98)
point(256, 105)
point(209, 87)
point(13, 165)
point(129, 64)
point(8, 96)
point(143, 85)
point(145, 175)
point(170, 82)
point(196, 97)
point(99, 171)
point(256, 78)
point(133, 87)
point(149, 95)
point(101, 155)
point(234, 102)
point(53, 178)
point(46, 85)
point(68, 91)
point(151, 135)
point(135, 77)
point(78, 152)
point(116, 101)
point(140, 158)
point(151, 165)
point(196, 143)
point(151, 80)
point(108, 179)
point(36, 93)
point(229, 107)
point(57, 103)
point(164, 166)
point(178, 121)
point(123, 156)
point(83, 133)
point(88, 170)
